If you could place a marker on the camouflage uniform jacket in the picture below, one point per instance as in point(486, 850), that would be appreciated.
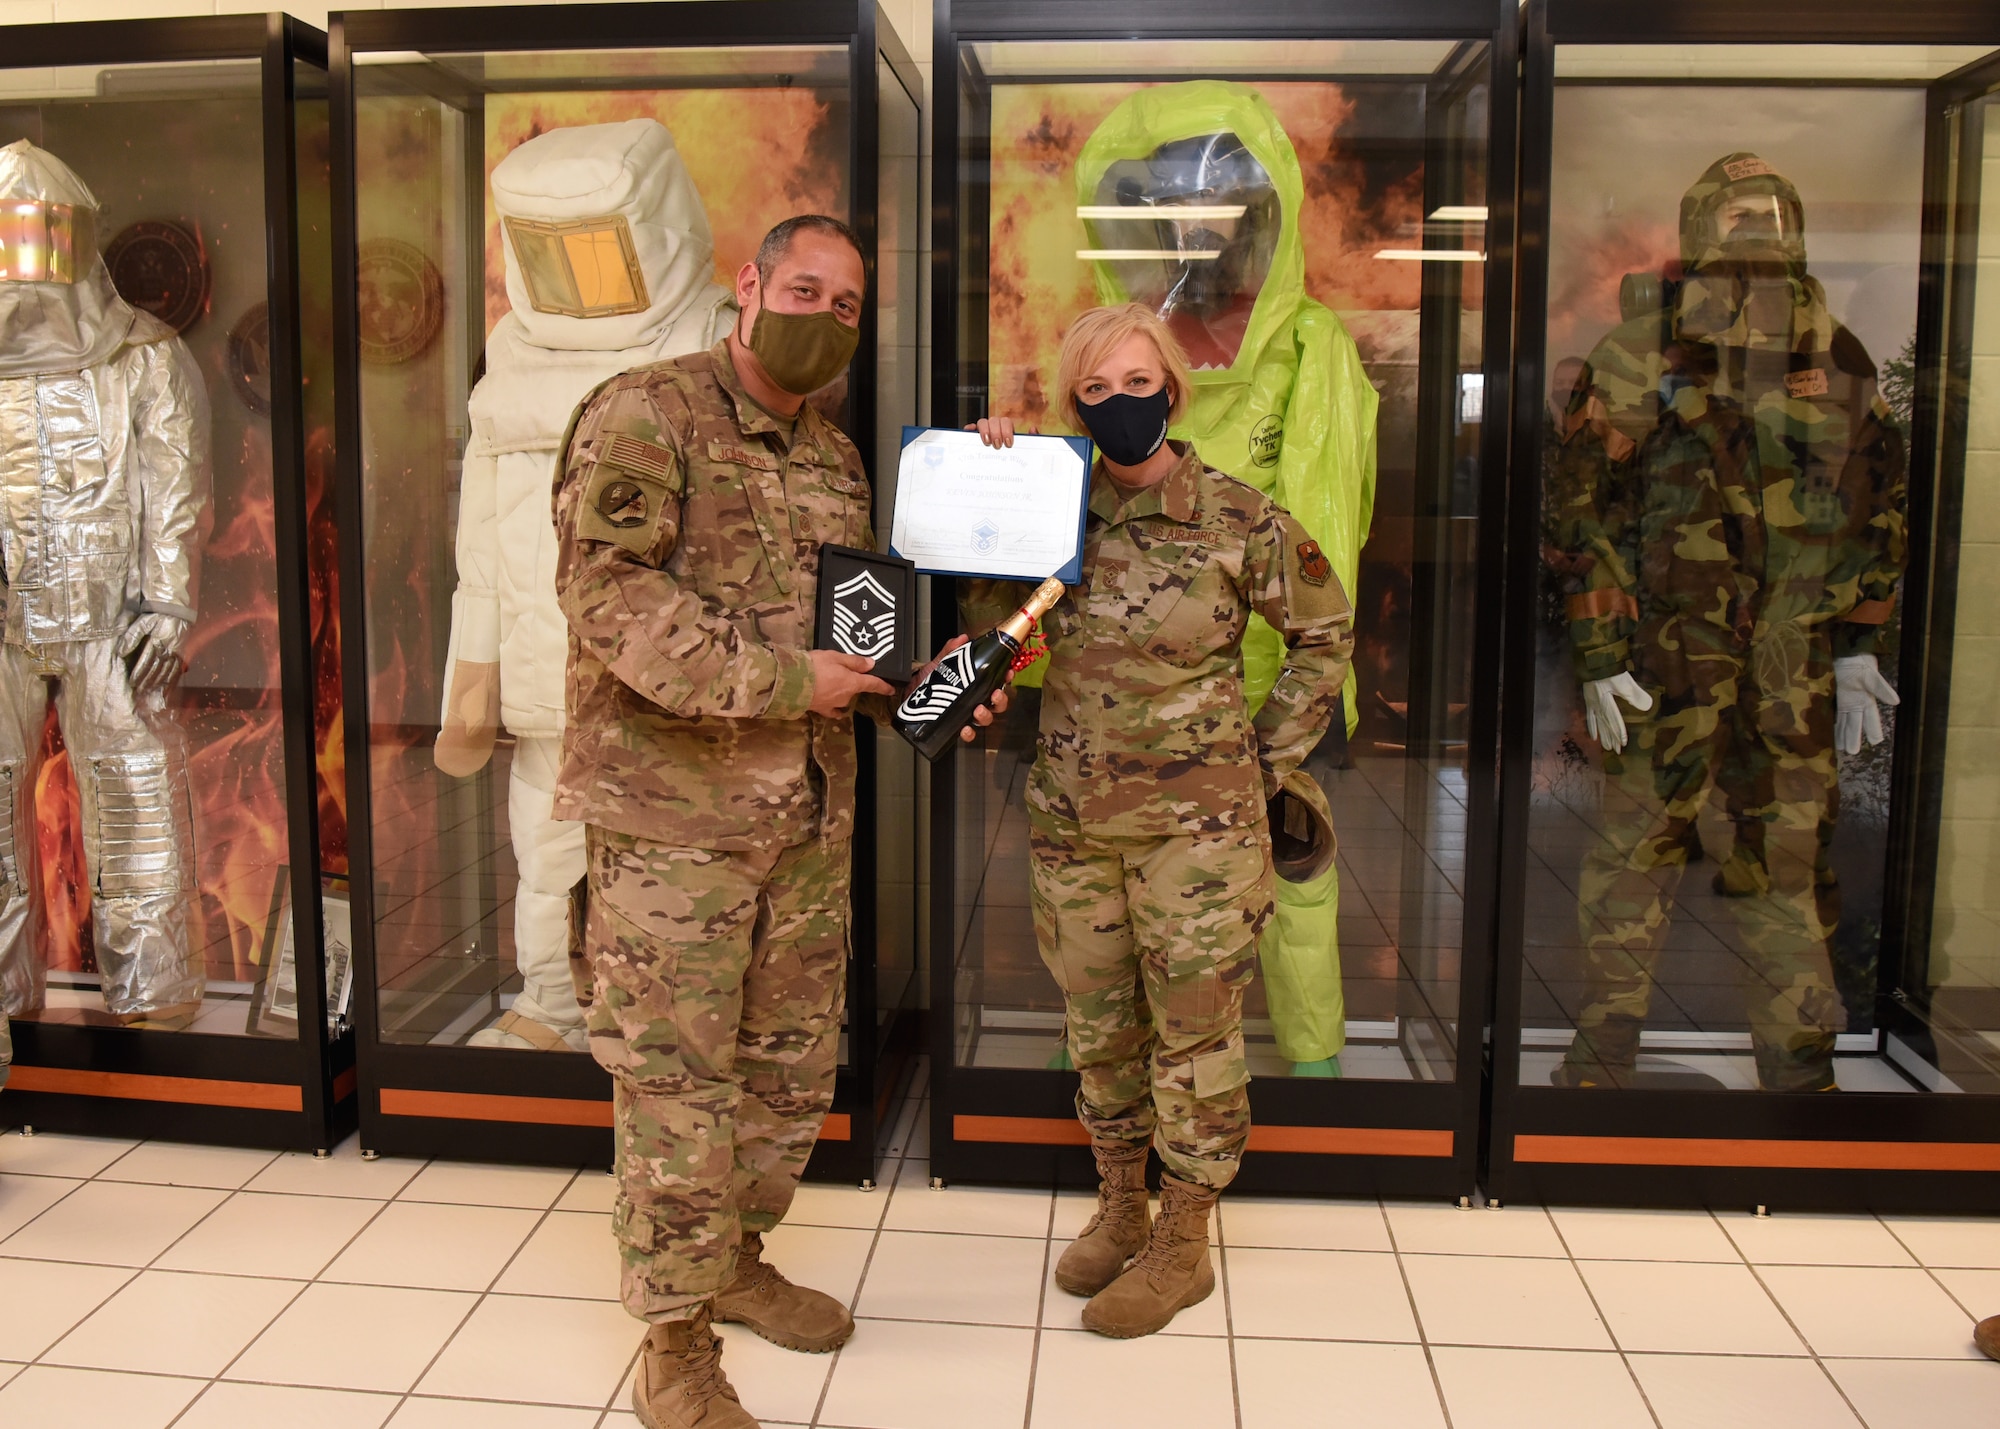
point(687, 566)
point(1755, 508)
point(1145, 730)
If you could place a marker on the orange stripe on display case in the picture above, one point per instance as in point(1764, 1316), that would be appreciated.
point(1310, 1140)
point(1351, 1140)
point(1715, 1151)
point(484, 1106)
point(343, 1085)
point(135, 1086)
point(543, 1111)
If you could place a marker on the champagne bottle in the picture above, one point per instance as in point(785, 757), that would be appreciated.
point(943, 701)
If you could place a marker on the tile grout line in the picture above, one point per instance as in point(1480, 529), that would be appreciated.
point(1041, 1309)
point(1228, 1313)
point(1576, 1269)
point(890, 1185)
point(360, 1231)
point(1416, 1315)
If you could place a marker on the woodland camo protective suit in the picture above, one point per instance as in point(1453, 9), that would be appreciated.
point(104, 478)
point(1281, 401)
point(608, 257)
point(1730, 502)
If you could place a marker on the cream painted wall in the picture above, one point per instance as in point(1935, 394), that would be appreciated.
point(1966, 922)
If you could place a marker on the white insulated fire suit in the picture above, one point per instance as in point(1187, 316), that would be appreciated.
point(608, 261)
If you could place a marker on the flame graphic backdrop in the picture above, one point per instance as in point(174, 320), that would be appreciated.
point(1037, 284)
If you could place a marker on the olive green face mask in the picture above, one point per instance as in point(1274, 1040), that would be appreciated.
point(802, 351)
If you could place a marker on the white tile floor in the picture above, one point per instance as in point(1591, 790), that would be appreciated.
point(146, 1285)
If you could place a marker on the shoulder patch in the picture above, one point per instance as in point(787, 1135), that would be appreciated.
point(629, 453)
point(623, 507)
point(1314, 567)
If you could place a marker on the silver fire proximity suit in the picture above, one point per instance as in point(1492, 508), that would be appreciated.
point(104, 479)
point(609, 265)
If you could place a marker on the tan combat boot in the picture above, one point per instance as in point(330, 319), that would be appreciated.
point(783, 1313)
point(1115, 1234)
point(1986, 1335)
point(1170, 1274)
point(680, 1384)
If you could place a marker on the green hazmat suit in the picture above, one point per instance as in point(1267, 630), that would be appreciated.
point(1289, 411)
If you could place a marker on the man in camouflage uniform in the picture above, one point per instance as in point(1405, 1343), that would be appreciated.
point(709, 753)
point(1728, 506)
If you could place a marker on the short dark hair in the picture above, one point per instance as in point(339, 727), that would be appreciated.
point(778, 242)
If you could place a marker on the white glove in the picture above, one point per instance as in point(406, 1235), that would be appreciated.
point(151, 648)
point(1859, 692)
point(1601, 714)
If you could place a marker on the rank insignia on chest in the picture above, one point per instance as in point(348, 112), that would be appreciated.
point(1314, 567)
point(867, 607)
point(1810, 383)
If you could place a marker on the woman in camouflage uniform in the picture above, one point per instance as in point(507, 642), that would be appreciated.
point(1152, 866)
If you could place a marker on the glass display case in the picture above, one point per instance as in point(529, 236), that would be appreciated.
point(172, 814)
point(1347, 321)
point(477, 316)
point(1747, 941)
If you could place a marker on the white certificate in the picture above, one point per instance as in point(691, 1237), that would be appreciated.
point(966, 509)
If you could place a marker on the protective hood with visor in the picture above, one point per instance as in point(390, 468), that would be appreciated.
point(1743, 251)
point(606, 238)
point(1190, 230)
point(58, 309)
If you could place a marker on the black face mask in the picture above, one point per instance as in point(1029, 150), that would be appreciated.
point(1127, 429)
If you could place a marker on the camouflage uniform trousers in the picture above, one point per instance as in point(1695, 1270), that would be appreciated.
point(1656, 789)
point(712, 984)
point(1153, 941)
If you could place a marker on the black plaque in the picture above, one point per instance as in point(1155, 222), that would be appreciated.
point(868, 606)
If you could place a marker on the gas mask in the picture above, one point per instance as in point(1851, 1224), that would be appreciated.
point(579, 268)
point(1190, 231)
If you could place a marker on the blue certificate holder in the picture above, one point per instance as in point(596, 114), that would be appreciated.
point(1013, 513)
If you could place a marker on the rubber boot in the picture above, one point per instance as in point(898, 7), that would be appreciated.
point(1170, 1274)
point(762, 1300)
point(680, 1384)
point(1118, 1231)
point(1986, 1335)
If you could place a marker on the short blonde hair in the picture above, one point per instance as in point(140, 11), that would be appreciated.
point(1093, 337)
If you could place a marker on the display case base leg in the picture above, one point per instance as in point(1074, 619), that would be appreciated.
point(1495, 1206)
point(370, 1155)
point(321, 1154)
point(867, 1183)
point(1763, 1213)
point(27, 1131)
point(937, 1183)
point(1465, 1203)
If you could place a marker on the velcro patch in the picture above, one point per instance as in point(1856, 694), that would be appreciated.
point(1810, 383)
point(624, 508)
point(629, 453)
point(1750, 168)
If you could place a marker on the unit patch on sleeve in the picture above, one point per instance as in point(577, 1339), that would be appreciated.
point(623, 507)
point(1314, 567)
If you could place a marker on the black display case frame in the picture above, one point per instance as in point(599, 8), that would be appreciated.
point(1320, 1136)
point(296, 1093)
point(1876, 1150)
point(513, 1106)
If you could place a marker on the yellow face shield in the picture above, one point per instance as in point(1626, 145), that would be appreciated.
point(45, 242)
point(582, 268)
